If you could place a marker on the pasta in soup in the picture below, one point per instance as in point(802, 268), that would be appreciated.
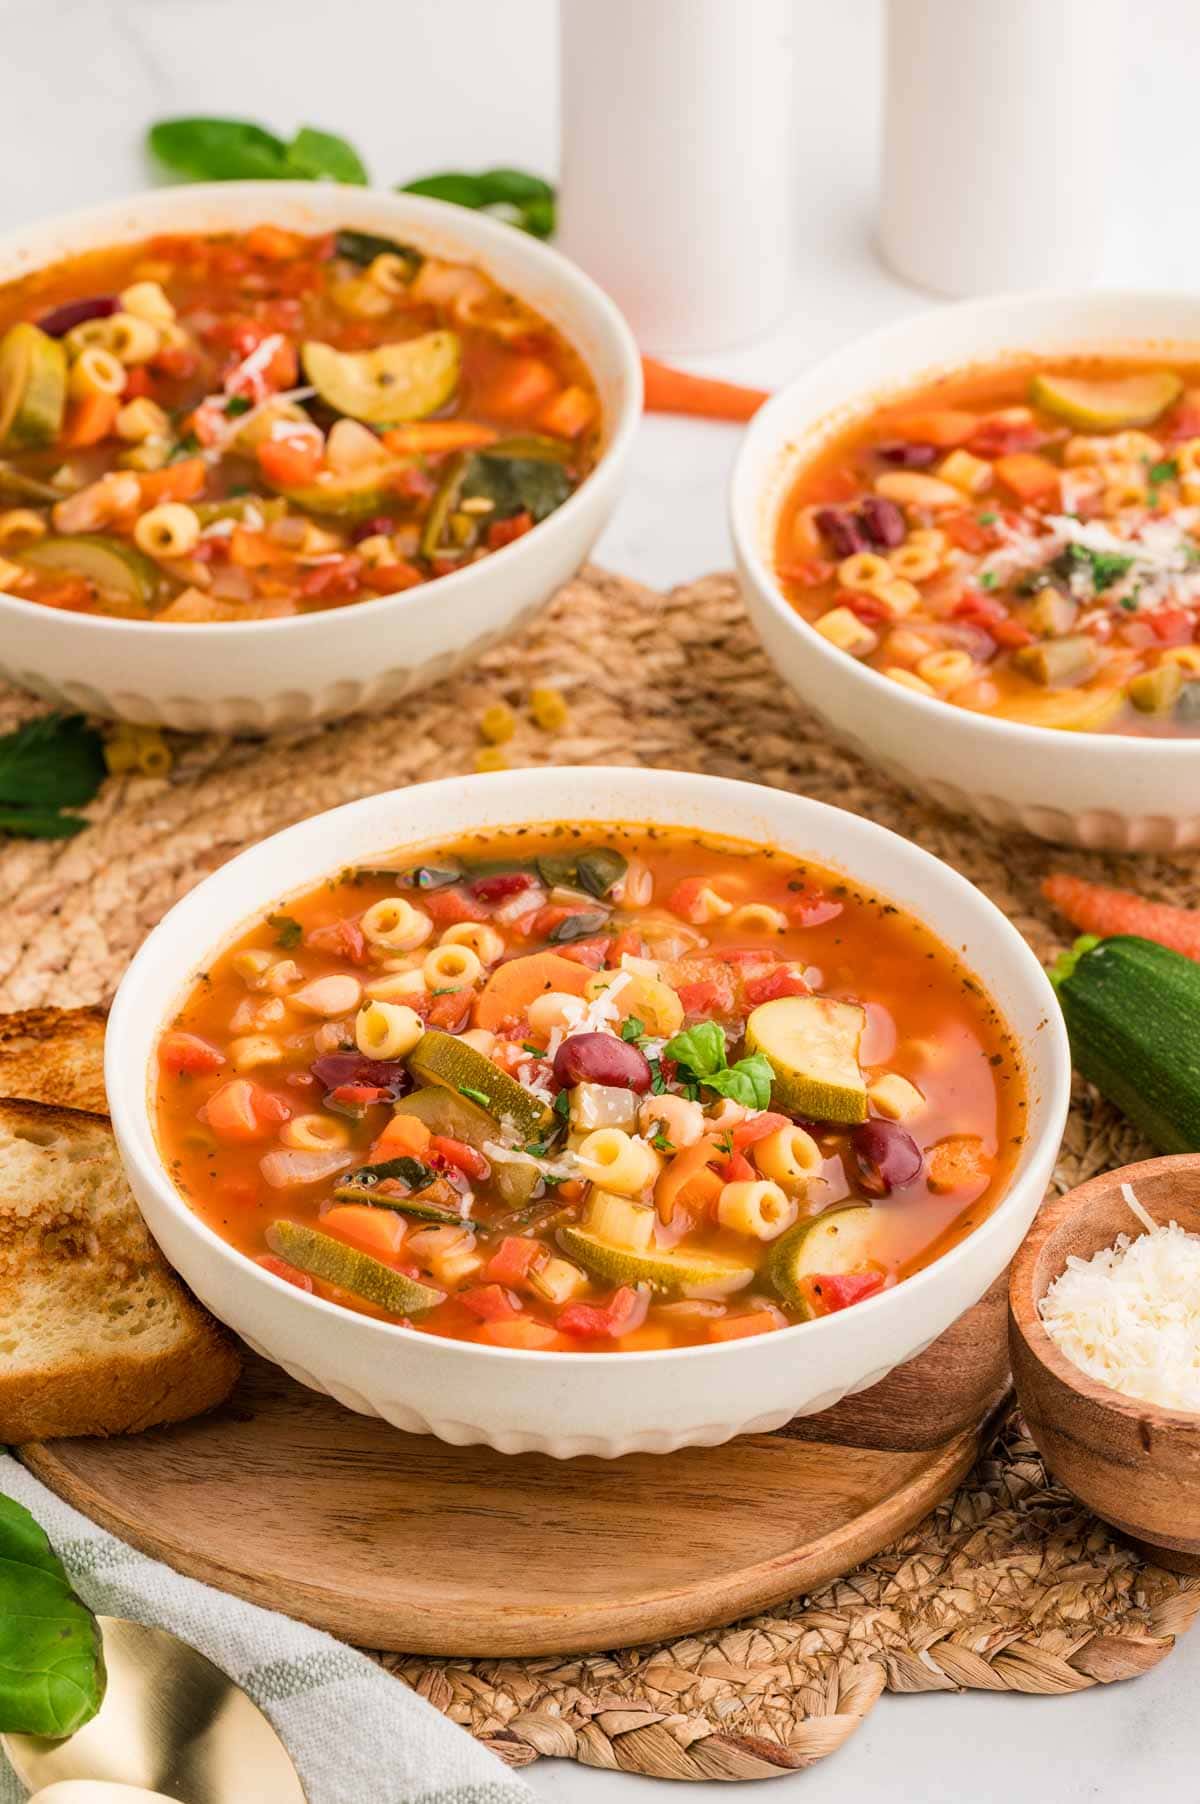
point(590, 1090)
point(1021, 541)
point(243, 427)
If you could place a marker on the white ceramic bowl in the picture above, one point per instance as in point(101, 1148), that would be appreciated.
point(1087, 789)
point(259, 675)
point(573, 1403)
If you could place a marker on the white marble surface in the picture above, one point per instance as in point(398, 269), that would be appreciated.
point(423, 85)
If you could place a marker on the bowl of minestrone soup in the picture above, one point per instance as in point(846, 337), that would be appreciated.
point(587, 1111)
point(972, 543)
point(276, 452)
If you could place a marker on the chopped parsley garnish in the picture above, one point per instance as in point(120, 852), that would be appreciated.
point(528, 1046)
point(1102, 568)
point(988, 519)
point(288, 931)
point(53, 762)
point(562, 1103)
point(479, 1096)
point(988, 579)
point(237, 404)
point(632, 1029)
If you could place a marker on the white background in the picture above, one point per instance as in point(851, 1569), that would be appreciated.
point(424, 85)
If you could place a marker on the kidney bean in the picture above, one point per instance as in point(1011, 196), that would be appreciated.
point(338, 1068)
point(882, 522)
point(840, 531)
point(887, 1157)
point(367, 529)
point(59, 321)
point(902, 454)
point(501, 886)
point(602, 1059)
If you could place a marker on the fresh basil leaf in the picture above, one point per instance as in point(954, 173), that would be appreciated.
point(748, 1082)
point(316, 155)
point(39, 823)
point(459, 190)
point(632, 1028)
point(514, 186)
point(700, 1048)
point(523, 200)
point(51, 1661)
point(515, 485)
point(55, 761)
point(220, 150)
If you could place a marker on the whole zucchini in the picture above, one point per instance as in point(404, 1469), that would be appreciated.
point(1132, 1010)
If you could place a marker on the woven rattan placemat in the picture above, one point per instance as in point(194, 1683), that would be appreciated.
point(1009, 1585)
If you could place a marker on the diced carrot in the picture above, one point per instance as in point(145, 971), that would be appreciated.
point(290, 462)
point(89, 420)
point(740, 1327)
point(241, 1110)
point(569, 413)
point(689, 1182)
point(178, 482)
point(1094, 908)
point(523, 1332)
point(515, 386)
point(944, 427)
point(513, 1260)
point(405, 1136)
point(513, 986)
point(669, 390)
point(428, 437)
point(1028, 476)
point(956, 1163)
point(185, 1054)
point(377, 1231)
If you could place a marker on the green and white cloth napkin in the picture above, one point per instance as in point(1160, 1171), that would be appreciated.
point(356, 1734)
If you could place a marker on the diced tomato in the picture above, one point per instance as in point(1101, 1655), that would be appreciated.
point(1173, 626)
point(544, 922)
point(503, 532)
point(625, 1310)
point(241, 1110)
point(627, 943)
point(807, 573)
point(867, 608)
point(741, 1327)
point(490, 1302)
point(176, 361)
point(812, 908)
point(339, 577)
point(290, 1274)
point(513, 1260)
point(464, 1158)
point(684, 899)
point(997, 438)
point(290, 462)
point(137, 383)
point(1011, 634)
point(838, 1290)
point(701, 998)
point(343, 939)
point(390, 579)
point(356, 1097)
point(452, 1011)
point(500, 886)
point(964, 531)
point(757, 1127)
point(412, 484)
point(593, 952)
point(185, 1054)
point(447, 907)
point(1183, 422)
point(737, 1169)
point(981, 609)
point(782, 981)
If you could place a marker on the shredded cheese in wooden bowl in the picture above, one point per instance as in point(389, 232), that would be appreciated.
point(1129, 1316)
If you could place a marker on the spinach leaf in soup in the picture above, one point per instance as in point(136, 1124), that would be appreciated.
point(516, 485)
point(51, 1661)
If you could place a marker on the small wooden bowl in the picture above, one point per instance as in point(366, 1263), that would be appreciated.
point(1132, 1463)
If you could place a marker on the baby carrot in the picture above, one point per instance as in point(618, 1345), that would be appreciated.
point(676, 391)
point(1093, 908)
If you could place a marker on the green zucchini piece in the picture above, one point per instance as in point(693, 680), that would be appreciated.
point(1058, 661)
point(403, 381)
point(836, 1242)
point(390, 1195)
point(33, 387)
point(515, 485)
point(114, 565)
point(439, 1058)
point(356, 495)
point(335, 1262)
point(1108, 403)
point(1132, 1010)
point(1156, 691)
point(811, 1044)
point(671, 1272)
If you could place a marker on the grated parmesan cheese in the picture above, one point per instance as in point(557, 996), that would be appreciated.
point(1130, 1315)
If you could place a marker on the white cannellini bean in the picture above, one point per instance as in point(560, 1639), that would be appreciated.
point(336, 994)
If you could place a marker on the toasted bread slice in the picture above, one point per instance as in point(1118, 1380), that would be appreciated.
point(97, 1334)
point(54, 1055)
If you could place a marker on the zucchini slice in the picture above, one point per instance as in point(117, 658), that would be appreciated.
point(836, 1242)
point(672, 1273)
point(1107, 404)
point(811, 1044)
point(115, 566)
point(450, 1113)
point(404, 381)
point(356, 495)
point(335, 1262)
point(440, 1058)
point(33, 388)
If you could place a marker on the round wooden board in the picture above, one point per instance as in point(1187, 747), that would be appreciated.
point(400, 1542)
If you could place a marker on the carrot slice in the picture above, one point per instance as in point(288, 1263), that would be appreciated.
point(523, 1332)
point(512, 987)
point(90, 420)
point(403, 1137)
point(569, 413)
point(431, 436)
point(1028, 476)
point(1094, 908)
point(515, 387)
point(944, 427)
point(678, 391)
point(689, 1181)
point(178, 482)
point(377, 1231)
